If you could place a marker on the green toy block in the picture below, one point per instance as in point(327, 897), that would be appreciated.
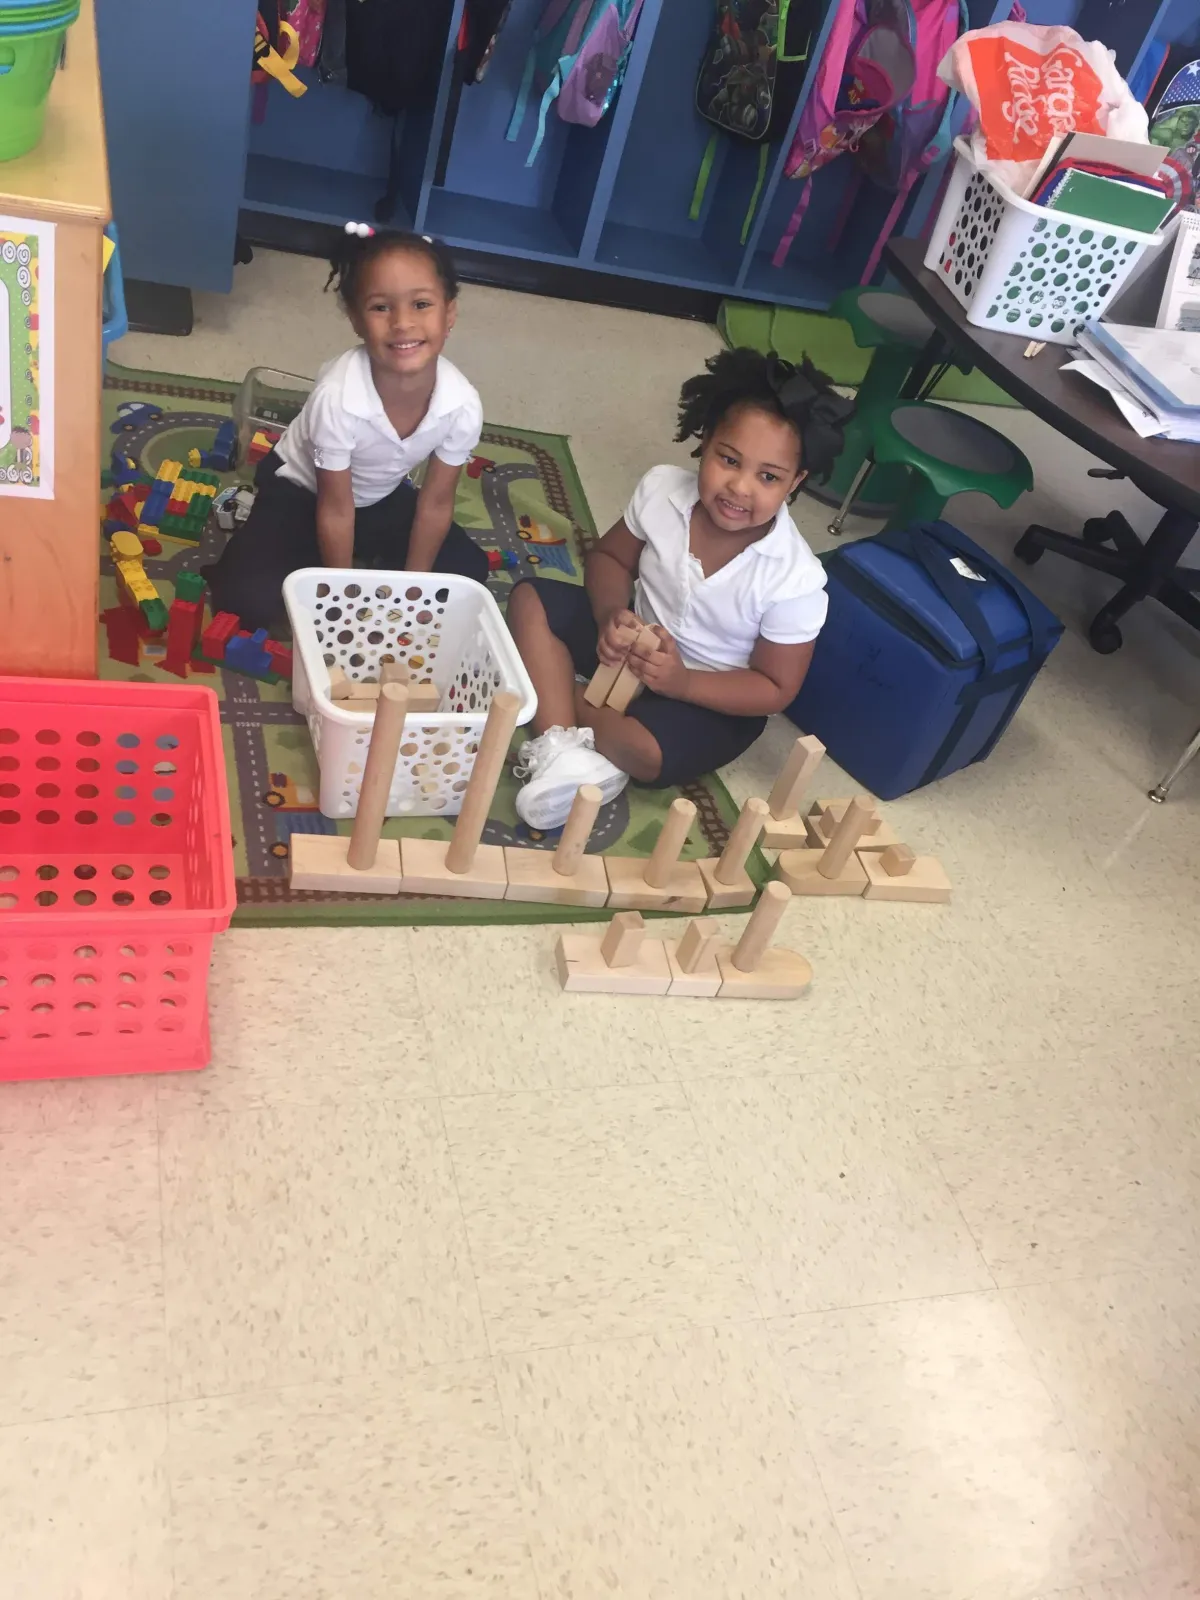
point(189, 586)
point(155, 614)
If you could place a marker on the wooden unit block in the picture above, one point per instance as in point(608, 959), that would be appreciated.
point(823, 817)
point(684, 891)
point(623, 938)
point(599, 689)
point(925, 881)
point(363, 690)
point(394, 672)
point(339, 684)
point(699, 941)
point(424, 697)
point(627, 687)
point(702, 979)
point(792, 833)
point(532, 876)
point(318, 861)
point(582, 968)
point(799, 870)
point(898, 860)
point(426, 872)
point(724, 896)
point(780, 975)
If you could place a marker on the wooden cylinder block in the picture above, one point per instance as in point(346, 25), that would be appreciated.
point(760, 930)
point(741, 841)
point(577, 830)
point(671, 840)
point(380, 768)
point(485, 775)
point(845, 836)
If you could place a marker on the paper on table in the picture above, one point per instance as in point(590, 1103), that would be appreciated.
point(1144, 422)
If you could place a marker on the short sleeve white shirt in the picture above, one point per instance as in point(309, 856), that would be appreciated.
point(775, 589)
point(343, 424)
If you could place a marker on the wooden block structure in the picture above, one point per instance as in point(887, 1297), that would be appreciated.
point(899, 874)
point(617, 686)
point(725, 877)
point(836, 869)
point(785, 827)
point(662, 882)
point(822, 818)
point(465, 866)
point(364, 863)
point(624, 961)
point(567, 876)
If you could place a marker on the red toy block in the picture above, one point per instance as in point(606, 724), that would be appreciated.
point(121, 627)
point(185, 622)
point(218, 634)
point(151, 547)
point(123, 508)
point(177, 508)
point(281, 657)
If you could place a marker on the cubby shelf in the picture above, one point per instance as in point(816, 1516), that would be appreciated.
point(611, 199)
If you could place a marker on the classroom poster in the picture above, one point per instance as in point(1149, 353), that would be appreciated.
point(26, 358)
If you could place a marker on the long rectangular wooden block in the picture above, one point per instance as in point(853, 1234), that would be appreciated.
point(603, 679)
point(582, 968)
point(426, 872)
point(684, 890)
point(531, 876)
point(318, 862)
point(925, 881)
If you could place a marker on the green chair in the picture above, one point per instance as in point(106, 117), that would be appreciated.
point(945, 453)
point(896, 331)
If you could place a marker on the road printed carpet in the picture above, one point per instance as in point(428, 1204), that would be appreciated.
point(521, 497)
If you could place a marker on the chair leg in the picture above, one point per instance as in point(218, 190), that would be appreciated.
point(922, 503)
point(1159, 793)
point(843, 511)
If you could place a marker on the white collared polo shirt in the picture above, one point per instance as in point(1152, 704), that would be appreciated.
point(343, 424)
point(774, 589)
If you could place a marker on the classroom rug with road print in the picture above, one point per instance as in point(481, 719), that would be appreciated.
point(521, 497)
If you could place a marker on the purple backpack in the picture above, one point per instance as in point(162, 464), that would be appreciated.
point(578, 58)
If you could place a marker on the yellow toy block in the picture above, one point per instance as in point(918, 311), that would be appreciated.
point(193, 457)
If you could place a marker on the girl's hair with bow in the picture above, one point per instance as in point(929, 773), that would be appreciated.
point(800, 395)
point(360, 245)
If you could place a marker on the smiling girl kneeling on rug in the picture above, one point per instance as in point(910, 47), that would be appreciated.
point(711, 560)
point(336, 485)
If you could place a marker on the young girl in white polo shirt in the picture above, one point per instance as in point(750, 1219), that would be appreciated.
point(336, 485)
point(713, 561)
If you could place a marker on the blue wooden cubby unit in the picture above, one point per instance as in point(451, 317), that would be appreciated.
point(186, 160)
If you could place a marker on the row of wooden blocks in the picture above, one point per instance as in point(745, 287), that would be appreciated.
point(356, 693)
point(701, 965)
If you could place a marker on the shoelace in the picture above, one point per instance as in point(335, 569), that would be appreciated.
point(553, 747)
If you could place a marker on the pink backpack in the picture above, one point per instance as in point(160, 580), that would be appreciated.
point(308, 19)
point(877, 94)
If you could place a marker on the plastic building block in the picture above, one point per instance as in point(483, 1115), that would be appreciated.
point(261, 444)
point(177, 508)
point(133, 584)
point(155, 613)
point(189, 586)
point(184, 625)
point(246, 652)
point(223, 455)
point(218, 634)
point(281, 657)
point(151, 547)
point(121, 629)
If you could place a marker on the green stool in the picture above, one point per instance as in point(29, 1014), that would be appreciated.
point(946, 453)
point(893, 327)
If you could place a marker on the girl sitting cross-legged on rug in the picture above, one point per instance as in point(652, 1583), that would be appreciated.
point(336, 486)
point(711, 560)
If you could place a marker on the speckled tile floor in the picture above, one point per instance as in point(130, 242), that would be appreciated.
point(437, 1286)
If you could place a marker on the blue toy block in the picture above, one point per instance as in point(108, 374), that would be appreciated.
point(245, 653)
point(223, 454)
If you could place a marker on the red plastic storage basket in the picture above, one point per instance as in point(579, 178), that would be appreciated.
point(116, 870)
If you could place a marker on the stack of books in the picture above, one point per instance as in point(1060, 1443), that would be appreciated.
point(1104, 180)
point(1153, 375)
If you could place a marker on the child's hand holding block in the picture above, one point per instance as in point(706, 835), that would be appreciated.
point(618, 687)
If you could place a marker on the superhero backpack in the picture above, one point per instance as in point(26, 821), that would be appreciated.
point(750, 80)
point(876, 93)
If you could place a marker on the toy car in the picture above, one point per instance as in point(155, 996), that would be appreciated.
point(133, 414)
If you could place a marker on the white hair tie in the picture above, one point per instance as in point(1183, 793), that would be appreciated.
point(360, 230)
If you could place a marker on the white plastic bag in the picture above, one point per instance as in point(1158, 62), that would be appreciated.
point(1032, 84)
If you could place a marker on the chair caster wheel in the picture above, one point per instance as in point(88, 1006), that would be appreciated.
point(1104, 636)
point(1095, 531)
point(1158, 795)
point(1028, 550)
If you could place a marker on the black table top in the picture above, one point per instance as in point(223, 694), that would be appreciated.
point(1167, 471)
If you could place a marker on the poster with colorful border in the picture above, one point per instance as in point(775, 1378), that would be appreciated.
point(27, 358)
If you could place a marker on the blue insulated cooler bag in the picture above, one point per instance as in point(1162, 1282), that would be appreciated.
point(919, 669)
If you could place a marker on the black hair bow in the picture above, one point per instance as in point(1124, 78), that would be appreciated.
point(821, 412)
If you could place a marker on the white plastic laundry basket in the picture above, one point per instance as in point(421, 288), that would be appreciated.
point(1019, 268)
point(443, 628)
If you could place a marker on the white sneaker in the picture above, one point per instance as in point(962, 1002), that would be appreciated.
point(556, 764)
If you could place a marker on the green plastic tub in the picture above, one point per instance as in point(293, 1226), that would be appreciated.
point(28, 62)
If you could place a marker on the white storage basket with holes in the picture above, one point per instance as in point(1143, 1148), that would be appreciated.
point(446, 630)
point(1020, 268)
